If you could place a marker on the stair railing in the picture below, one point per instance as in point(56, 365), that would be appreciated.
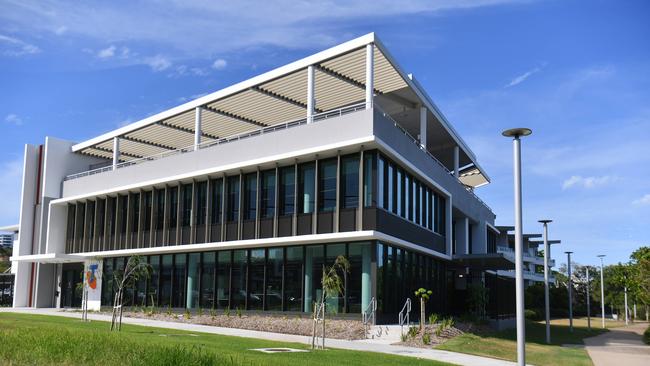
point(369, 315)
point(404, 315)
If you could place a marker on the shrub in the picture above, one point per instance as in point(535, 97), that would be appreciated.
point(226, 311)
point(413, 331)
point(433, 318)
point(531, 314)
point(187, 314)
point(199, 312)
point(238, 310)
point(404, 337)
point(426, 338)
point(646, 336)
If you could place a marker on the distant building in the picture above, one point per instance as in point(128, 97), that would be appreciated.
point(6, 240)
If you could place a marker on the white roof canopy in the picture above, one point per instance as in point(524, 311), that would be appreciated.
point(280, 96)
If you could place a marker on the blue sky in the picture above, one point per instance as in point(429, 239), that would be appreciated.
point(576, 72)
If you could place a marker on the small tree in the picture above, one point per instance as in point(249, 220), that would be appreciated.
point(333, 285)
point(135, 269)
point(424, 295)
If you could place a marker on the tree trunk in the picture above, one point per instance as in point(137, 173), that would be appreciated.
point(313, 333)
point(422, 311)
point(119, 328)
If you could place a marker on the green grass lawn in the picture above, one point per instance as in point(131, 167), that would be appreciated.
point(27, 339)
point(503, 344)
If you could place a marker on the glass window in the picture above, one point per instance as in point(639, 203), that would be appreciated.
point(207, 280)
point(408, 194)
point(160, 208)
point(110, 223)
point(186, 217)
point(381, 276)
point(233, 199)
point(313, 273)
point(135, 216)
point(256, 279)
point(70, 229)
point(217, 199)
point(349, 181)
point(124, 213)
point(179, 285)
point(107, 282)
point(147, 210)
point(223, 279)
point(250, 196)
point(193, 266)
point(359, 278)
point(287, 190)
point(293, 275)
point(335, 303)
point(400, 193)
point(154, 280)
point(166, 280)
point(201, 202)
point(381, 193)
point(91, 225)
point(418, 205)
point(268, 194)
point(173, 207)
point(274, 266)
point(306, 187)
point(327, 185)
point(238, 279)
point(391, 188)
point(369, 194)
point(101, 218)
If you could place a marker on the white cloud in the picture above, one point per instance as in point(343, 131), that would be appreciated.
point(645, 200)
point(587, 182)
point(158, 63)
point(191, 97)
point(219, 64)
point(521, 78)
point(13, 119)
point(216, 27)
point(107, 52)
point(60, 30)
point(16, 47)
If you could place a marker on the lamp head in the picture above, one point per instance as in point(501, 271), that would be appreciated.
point(568, 252)
point(601, 255)
point(517, 132)
point(545, 221)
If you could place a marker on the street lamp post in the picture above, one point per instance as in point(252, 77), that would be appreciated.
point(626, 315)
point(602, 289)
point(547, 256)
point(570, 285)
point(588, 306)
point(516, 134)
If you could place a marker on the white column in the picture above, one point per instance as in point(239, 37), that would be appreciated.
point(588, 302)
point(462, 236)
point(310, 94)
point(197, 128)
point(370, 69)
point(519, 261)
point(456, 161)
point(116, 152)
point(423, 127)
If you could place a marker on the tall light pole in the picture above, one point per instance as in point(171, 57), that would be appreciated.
point(570, 285)
point(547, 256)
point(588, 306)
point(516, 134)
point(602, 289)
point(626, 315)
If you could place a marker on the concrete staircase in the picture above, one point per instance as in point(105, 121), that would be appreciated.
point(384, 334)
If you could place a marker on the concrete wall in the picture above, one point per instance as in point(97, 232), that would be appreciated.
point(274, 146)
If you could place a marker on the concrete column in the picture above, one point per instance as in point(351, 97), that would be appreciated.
point(423, 127)
point(456, 161)
point(370, 68)
point(116, 152)
point(310, 94)
point(462, 235)
point(197, 128)
point(366, 276)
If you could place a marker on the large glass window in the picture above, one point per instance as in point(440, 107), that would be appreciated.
point(306, 187)
point(179, 285)
point(369, 195)
point(166, 268)
point(193, 267)
point(336, 303)
point(186, 217)
point(160, 208)
point(223, 279)
point(408, 194)
point(274, 265)
point(268, 194)
point(238, 278)
point(287, 190)
point(147, 212)
point(256, 279)
point(250, 196)
point(201, 202)
point(135, 219)
point(293, 282)
point(233, 199)
point(107, 282)
point(154, 280)
point(381, 178)
point(217, 200)
point(327, 185)
point(349, 181)
point(359, 284)
point(313, 273)
point(207, 280)
point(173, 207)
point(391, 188)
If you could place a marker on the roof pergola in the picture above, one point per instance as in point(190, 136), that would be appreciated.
point(340, 79)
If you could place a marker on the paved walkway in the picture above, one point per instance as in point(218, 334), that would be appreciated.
point(363, 345)
point(620, 346)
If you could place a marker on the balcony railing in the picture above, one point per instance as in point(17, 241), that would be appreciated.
point(281, 126)
point(417, 143)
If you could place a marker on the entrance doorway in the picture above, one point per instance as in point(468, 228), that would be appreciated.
point(71, 281)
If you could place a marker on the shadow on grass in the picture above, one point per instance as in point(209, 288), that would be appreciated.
point(536, 333)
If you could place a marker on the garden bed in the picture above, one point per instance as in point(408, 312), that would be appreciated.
point(435, 334)
point(298, 324)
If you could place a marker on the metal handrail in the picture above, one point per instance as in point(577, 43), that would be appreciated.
point(405, 315)
point(370, 313)
point(417, 143)
point(281, 126)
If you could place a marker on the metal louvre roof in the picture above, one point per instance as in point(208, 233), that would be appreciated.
point(275, 97)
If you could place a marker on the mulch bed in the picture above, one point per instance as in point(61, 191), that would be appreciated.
point(446, 334)
point(285, 324)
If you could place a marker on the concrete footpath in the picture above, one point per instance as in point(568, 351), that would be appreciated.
point(620, 346)
point(362, 345)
